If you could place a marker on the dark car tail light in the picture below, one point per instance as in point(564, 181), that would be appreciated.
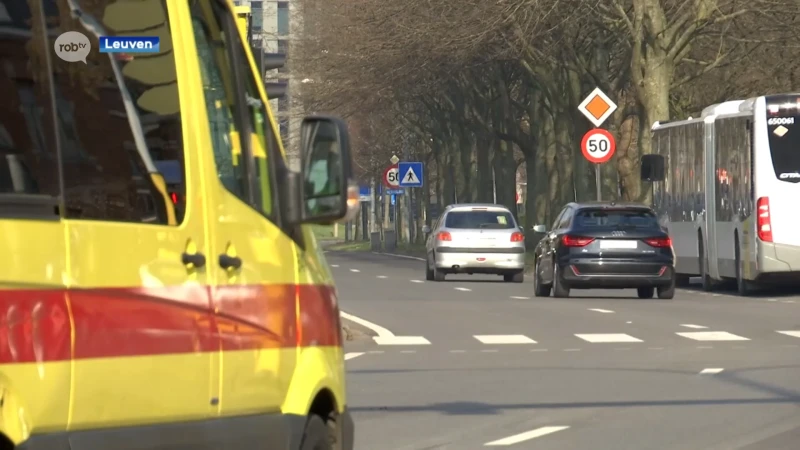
point(444, 236)
point(174, 197)
point(660, 242)
point(764, 223)
point(517, 237)
point(576, 241)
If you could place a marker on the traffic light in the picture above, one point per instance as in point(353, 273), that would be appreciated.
point(270, 61)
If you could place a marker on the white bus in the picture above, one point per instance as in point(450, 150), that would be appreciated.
point(727, 187)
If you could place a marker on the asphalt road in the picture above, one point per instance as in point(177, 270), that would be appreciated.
point(473, 362)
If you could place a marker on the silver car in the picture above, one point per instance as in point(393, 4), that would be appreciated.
point(475, 238)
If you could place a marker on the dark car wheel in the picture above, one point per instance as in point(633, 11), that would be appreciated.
point(539, 289)
point(645, 292)
point(666, 292)
point(560, 290)
point(317, 435)
point(515, 277)
point(428, 271)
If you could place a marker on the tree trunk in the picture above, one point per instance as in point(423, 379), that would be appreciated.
point(484, 175)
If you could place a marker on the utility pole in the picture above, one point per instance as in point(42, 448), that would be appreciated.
point(410, 220)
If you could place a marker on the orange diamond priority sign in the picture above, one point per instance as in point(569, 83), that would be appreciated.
point(597, 107)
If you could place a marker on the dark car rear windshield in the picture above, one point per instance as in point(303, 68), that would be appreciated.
point(480, 219)
point(626, 218)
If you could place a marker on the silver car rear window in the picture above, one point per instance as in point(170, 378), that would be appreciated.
point(480, 219)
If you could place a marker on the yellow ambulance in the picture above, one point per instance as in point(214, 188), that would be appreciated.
point(159, 284)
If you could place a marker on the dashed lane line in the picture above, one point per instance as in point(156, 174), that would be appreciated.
point(712, 336)
point(502, 339)
point(462, 289)
point(711, 371)
point(526, 436)
point(603, 338)
point(604, 311)
point(696, 327)
point(351, 355)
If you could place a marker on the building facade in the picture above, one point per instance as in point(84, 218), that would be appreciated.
point(270, 31)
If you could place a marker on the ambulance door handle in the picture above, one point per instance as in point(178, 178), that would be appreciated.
point(229, 262)
point(198, 260)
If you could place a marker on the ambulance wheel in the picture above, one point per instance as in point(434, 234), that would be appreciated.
point(317, 435)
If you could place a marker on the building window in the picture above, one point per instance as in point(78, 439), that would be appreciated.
point(283, 18)
point(283, 48)
point(257, 16)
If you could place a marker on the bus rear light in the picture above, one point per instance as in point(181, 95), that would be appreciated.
point(763, 222)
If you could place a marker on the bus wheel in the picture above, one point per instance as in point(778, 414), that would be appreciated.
point(743, 286)
point(708, 283)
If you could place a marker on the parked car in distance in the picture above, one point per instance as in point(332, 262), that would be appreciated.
point(605, 246)
point(475, 238)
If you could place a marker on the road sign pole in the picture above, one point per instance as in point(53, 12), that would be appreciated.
point(597, 181)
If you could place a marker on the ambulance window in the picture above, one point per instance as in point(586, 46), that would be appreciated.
point(227, 121)
point(118, 114)
point(27, 142)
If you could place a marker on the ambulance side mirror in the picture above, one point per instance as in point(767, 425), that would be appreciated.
point(328, 191)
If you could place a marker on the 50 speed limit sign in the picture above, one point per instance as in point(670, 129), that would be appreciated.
point(391, 177)
point(598, 146)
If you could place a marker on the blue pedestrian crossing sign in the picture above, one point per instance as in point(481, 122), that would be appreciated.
point(410, 174)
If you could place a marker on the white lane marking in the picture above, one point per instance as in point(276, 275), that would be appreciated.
point(399, 256)
point(787, 301)
point(598, 338)
point(351, 355)
point(384, 336)
point(711, 371)
point(355, 270)
point(696, 327)
point(458, 351)
point(334, 265)
point(504, 339)
point(382, 276)
point(417, 281)
point(790, 333)
point(408, 351)
point(401, 340)
point(604, 311)
point(526, 436)
point(712, 336)
point(520, 298)
point(772, 300)
point(462, 289)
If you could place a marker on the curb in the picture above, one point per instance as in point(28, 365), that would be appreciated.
point(397, 255)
